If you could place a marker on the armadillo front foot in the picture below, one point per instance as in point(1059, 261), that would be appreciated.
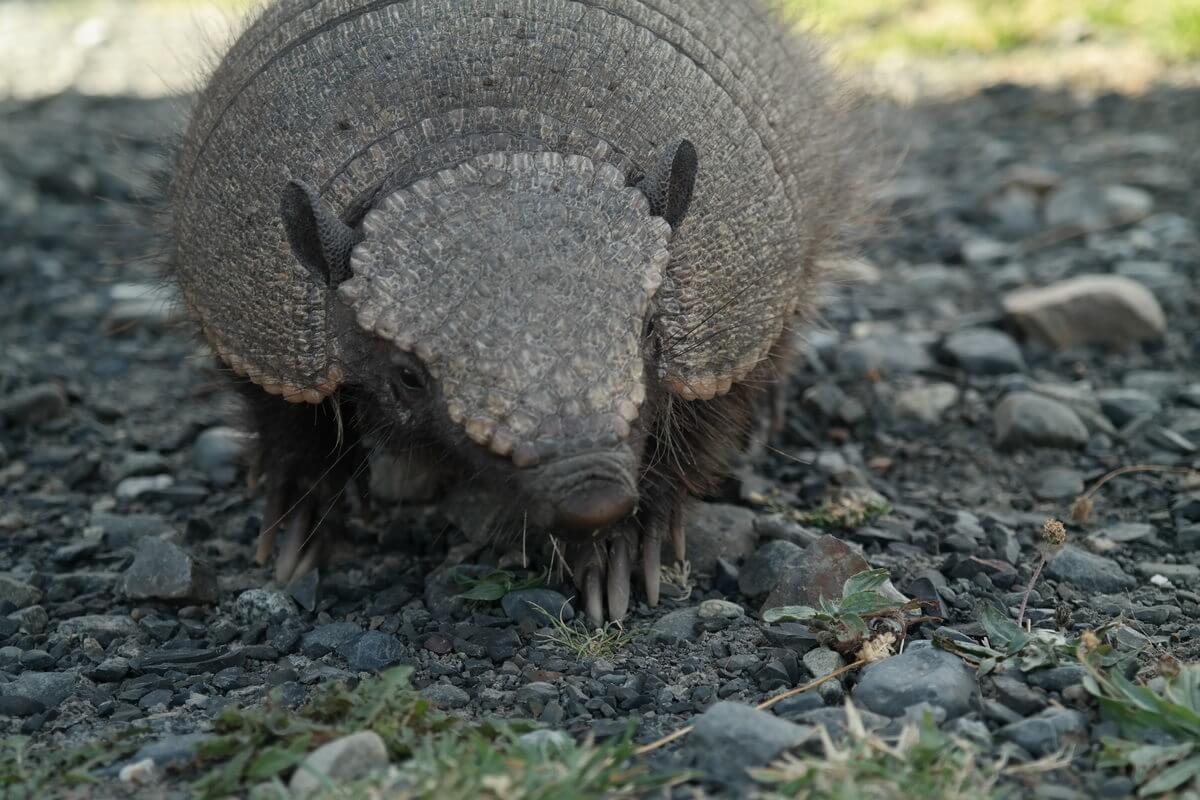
point(305, 518)
point(603, 568)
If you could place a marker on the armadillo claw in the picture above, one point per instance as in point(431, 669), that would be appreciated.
point(618, 578)
point(603, 573)
point(294, 523)
point(652, 565)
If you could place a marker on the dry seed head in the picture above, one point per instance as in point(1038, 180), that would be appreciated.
point(1089, 641)
point(1081, 509)
point(1052, 538)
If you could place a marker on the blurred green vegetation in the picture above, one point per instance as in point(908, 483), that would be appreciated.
point(869, 29)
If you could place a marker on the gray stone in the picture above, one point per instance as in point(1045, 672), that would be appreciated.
point(984, 351)
point(1056, 679)
point(927, 402)
point(821, 572)
point(716, 530)
point(16, 594)
point(835, 721)
point(131, 488)
point(766, 566)
point(720, 609)
point(1085, 206)
point(536, 606)
point(47, 688)
point(730, 738)
point(1025, 418)
point(1047, 732)
point(163, 570)
point(104, 628)
point(1057, 483)
point(536, 696)
point(373, 651)
point(339, 762)
point(263, 605)
point(677, 626)
point(327, 638)
point(886, 355)
point(218, 452)
point(446, 695)
point(1124, 405)
point(1088, 571)
point(1018, 696)
point(33, 619)
point(1090, 309)
point(140, 463)
point(922, 675)
point(35, 404)
point(822, 661)
point(1172, 571)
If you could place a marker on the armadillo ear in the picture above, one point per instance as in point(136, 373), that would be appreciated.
point(319, 240)
point(669, 184)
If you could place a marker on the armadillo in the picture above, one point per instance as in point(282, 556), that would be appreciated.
point(552, 248)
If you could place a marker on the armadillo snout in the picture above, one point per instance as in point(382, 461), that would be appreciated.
point(596, 504)
point(588, 491)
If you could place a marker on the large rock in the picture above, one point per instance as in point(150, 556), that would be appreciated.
point(1083, 206)
point(766, 567)
point(1091, 309)
point(46, 689)
point(1025, 418)
point(918, 675)
point(717, 530)
point(1089, 571)
point(163, 570)
point(339, 762)
point(16, 594)
point(819, 572)
point(730, 738)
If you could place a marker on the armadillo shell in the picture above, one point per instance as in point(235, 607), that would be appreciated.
point(352, 95)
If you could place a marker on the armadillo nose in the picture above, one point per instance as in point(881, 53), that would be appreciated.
point(596, 504)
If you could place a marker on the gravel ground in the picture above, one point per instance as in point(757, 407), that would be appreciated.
point(1023, 219)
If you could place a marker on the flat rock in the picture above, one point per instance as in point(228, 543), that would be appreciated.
point(339, 762)
point(104, 628)
point(34, 405)
point(1124, 405)
point(921, 675)
point(886, 355)
point(446, 695)
point(1091, 309)
point(1088, 571)
point(1047, 732)
point(533, 605)
point(16, 594)
point(163, 570)
point(983, 351)
point(1057, 483)
point(1084, 206)
point(47, 688)
point(1025, 418)
point(677, 626)
point(329, 637)
point(730, 738)
point(373, 651)
point(825, 566)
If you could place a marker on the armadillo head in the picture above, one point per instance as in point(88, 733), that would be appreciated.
point(511, 297)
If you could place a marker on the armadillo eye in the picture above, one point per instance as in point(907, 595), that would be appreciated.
point(410, 379)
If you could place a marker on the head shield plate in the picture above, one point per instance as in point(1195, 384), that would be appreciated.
point(522, 282)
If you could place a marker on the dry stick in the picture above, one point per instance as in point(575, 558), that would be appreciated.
point(1135, 468)
point(1029, 589)
point(679, 734)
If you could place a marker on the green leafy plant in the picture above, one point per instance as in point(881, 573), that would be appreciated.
point(1009, 646)
point(491, 586)
point(845, 513)
point(583, 641)
point(436, 755)
point(28, 771)
point(845, 622)
point(922, 762)
point(1160, 729)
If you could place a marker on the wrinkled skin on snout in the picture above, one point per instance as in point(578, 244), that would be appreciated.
point(496, 324)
